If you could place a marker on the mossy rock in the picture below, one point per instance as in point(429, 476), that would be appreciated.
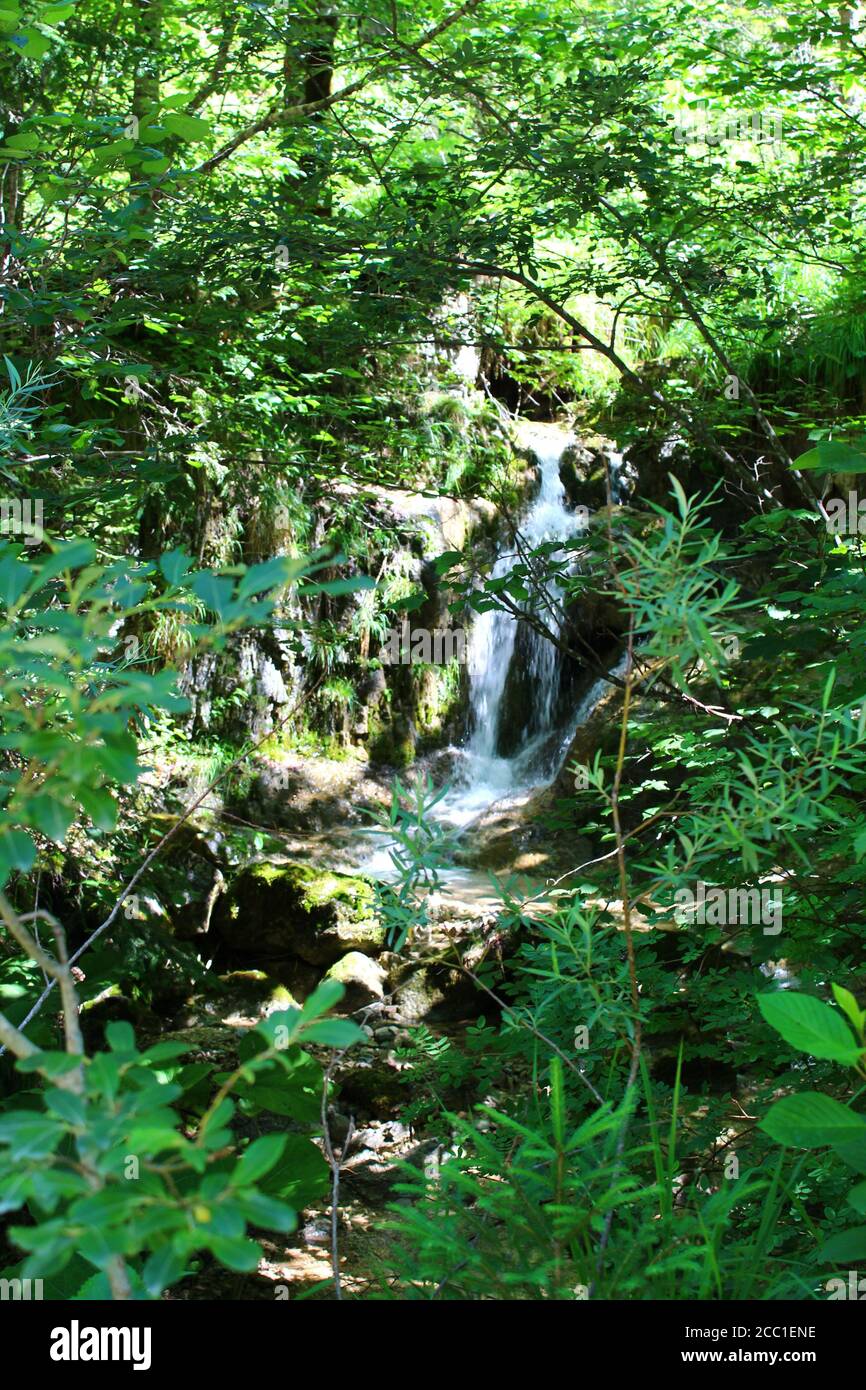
point(582, 474)
point(392, 744)
point(361, 977)
point(281, 910)
point(439, 696)
point(432, 993)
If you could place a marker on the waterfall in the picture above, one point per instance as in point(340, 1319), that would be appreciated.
point(498, 763)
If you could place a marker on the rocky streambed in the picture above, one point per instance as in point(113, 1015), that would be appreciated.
point(274, 929)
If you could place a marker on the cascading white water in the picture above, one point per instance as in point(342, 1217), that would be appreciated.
point(484, 776)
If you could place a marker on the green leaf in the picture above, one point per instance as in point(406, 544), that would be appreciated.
point(274, 1028)
point(241, 1255)
point(67, 1105)
point(166, 1052)
point(811, 1120)
point(261, 1210)
point(848, 1245)
point(17, 851)
point(30, 1136)
point(24, 140)
point(261, 1156)
point(14, 580)
point(342, 586)
point(49, 1063)
point(334, 1032)
point(272, 574)
point(99, 805)
point(50, 816)
point(120, 1036)
point(832, 456)
point(31, 43)
point(853, 1153)
point(174, 565)
point(163, 1268)
point(810, 1026)
point(67, 555)
point(324, 997)
point(215, 592)
point(849, 1006)
point(300, 1177)
point(56, 13)
point(186, 127)
point(14, 1191)
point(447, 560)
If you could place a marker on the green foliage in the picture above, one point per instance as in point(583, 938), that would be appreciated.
point(113, 1159)
point(417, 846)
point(232, 325)
point(811, 1119)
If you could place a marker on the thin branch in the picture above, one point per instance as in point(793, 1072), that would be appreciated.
point(51, 966)
point(290, 115)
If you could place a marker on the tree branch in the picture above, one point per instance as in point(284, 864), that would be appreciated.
point(289, 115)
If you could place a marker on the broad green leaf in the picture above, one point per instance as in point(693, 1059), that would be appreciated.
point(832, 456)
point(185, 127)
point(810, 1025)
point(300, 1177)
point(28, 1135)
point(120, 1036)
point(216, 592)
point(49, 815)
point(811, 1120)
point(334, 1032)
point(17, 851)
point(848, 1245)
point(326, 996)
point(267, 1212)
point(853, 1153)
point(162, 1269)
point(174, 565)
point(31, 43)
point(261, 1155)
point(99, 805)
point(241, 1255)
point(342, 586)
point(272, 574)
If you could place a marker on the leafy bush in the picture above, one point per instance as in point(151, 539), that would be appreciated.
point(112, 1175)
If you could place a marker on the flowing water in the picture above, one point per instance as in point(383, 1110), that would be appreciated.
point(484, 775)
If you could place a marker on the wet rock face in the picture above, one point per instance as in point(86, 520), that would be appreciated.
point(281, 910)
point(582, 474)
point(519, 709)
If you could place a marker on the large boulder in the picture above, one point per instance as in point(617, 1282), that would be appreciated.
point(282, 910)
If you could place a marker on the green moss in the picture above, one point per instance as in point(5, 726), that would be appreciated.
point(437, 697)
point(298, 910)
point(391, 745)
point(317, 887)
point(284, 997)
